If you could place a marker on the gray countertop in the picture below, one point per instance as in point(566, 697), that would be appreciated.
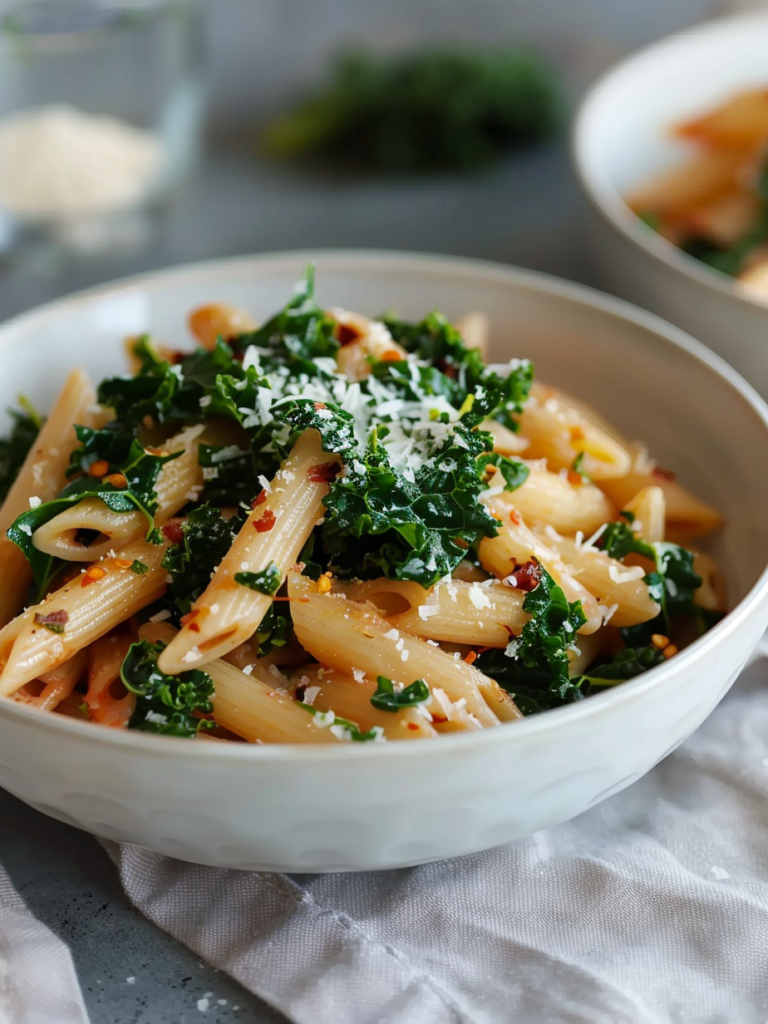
point(527, 212)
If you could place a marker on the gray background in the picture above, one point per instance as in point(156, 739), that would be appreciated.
point(527, 211)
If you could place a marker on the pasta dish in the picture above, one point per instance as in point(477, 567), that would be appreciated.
point(328, 528)
point(714, 205)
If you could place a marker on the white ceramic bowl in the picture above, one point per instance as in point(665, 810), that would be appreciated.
point(621, 137)
point(347, 807)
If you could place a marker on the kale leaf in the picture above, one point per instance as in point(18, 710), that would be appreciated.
point(625, 664)
point(266, 582)
point(167, 705)
point(342, 728)
point(441, 108)
point(15, 448)
point(534, 668)
point(386, 698)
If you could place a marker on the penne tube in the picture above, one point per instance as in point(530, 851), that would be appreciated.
point(515, 545)
point(679, 188)
point(70, 618)
point(50, 689)
point(457, 612)
point(649, 509)
point(612, 582)
point(352, 637)
point(345, 696)
point(179, 482)
point(587, 649)
point(108, 701)
point(228, 612)
point(686, 516)
point(257, 705)
point(559, 432)
point(711, 595)
point(505, 441)
point(42, 476)
point(567, 503)
point(475, 329)
point(219, 320)
point(362, 340)
point(740, 124)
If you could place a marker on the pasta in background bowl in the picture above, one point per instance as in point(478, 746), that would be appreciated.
point(624, 141)
point(167, 555)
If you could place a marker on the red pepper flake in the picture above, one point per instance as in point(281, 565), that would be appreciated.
point(413, 726)
point(173, 532)
point(176, 356)
point(323, 473)
point(99, 468)
point(260, 498)
point(515, 517)
point(54, 621)
point(265, 522)
point(93, 575)
point(391, 356)
point(189, 620)
point(577, 434)
point(527, 575)
point(320, 405)
point(123, 563)
point(346, 334)
point(663, 474)
point(574, 478)
point(117, 480)
point(471, 658)
point(437, 720)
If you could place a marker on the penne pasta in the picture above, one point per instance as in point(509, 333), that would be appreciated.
point(349, 698)
point(50, 633)
point(649, 508)
point(228, 612)
point(352, 637)
point(515, 545)
point(559, 432)
point(219, 320)
point(686, 516)
point(50, 689)
point(179, 482)
point(475, 329)
point(457, 612)
point(362, 340)
point(615, 585)
point(41, 477)
point(568, 503)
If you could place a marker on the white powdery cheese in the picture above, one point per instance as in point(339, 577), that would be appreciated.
point(58, 162)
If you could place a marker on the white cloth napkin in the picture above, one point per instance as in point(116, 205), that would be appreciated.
point(650, 909)
point(38, 984)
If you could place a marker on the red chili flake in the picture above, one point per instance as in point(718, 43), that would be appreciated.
point(437, 720)
point(413, 725)
point(515, 517)
point(260, 498)
point(471, 658)
point(320, 405)
point(527, 575)
point(99, 468)
point(189, 620)
point(663, 474)
point(265, 522)
point(346, 334)
point(176, 356)
point(574, 478)
point(117, 480)
point(447, 369)
point(172, 531)
point(391, 356)
point(93, 575)
point(123, 563)
point(323, 473)
point(55, 621)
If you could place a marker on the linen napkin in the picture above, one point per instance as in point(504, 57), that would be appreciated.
point(650, 909)
point(38, 984)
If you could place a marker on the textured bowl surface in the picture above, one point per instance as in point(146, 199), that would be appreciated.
point(349, 807)
point(622, 136)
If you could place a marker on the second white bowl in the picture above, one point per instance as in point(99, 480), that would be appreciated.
point(621, 137)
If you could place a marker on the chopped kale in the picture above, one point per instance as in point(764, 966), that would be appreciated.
point(626, 664)
point(387, 698)
point(534, 668)
point(168, 705)
point(15, 448)
point(139, 567)
point(265, 582)
point(206, 538)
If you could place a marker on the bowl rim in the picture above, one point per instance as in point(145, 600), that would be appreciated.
point(609, 202)
point(423, 264)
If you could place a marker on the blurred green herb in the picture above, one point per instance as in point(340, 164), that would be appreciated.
point(422, 111)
